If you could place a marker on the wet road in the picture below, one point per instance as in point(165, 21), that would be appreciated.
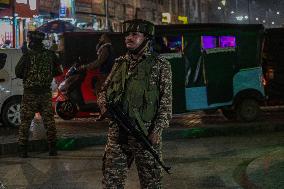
point(268, 115)
point(201, 163)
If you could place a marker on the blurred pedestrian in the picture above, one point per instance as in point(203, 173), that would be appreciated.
point(104, 63)
point(54, 46)
point(7, 44)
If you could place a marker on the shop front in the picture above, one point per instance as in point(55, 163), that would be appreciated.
point(24, 13)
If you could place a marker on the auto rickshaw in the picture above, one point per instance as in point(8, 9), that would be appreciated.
point(215, 66)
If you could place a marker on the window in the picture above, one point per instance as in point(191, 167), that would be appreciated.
point(168, 44)
point(209, 42)
point(227, 41)
point(3, 58)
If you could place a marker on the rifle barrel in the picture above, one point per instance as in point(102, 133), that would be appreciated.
point(131, 128)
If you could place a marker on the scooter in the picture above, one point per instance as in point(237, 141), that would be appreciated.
point(76, 97)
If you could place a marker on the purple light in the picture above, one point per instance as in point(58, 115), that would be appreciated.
point(227, 41)
point(208, 42)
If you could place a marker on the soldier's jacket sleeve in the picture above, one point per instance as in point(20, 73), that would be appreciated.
point(56, 65)
point(164, 113)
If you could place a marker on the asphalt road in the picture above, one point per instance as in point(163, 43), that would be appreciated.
point(269, 115)
point(196, 163)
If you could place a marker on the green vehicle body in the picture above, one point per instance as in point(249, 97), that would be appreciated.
point(225, 75)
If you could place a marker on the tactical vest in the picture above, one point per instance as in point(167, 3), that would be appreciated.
point(134, 92)
point(40, 70)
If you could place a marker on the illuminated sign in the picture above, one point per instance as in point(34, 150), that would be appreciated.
point(65, 8)
point(4, 4)
point(183, 19)
point(166, 17)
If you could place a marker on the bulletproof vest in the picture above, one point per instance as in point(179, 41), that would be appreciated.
point(134, 92)
point(40, 70)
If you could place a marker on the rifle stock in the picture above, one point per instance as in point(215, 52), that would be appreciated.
point(134, 130)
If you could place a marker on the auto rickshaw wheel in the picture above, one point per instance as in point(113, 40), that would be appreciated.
point(230, 114)
point(248, 110)
point(66, 109)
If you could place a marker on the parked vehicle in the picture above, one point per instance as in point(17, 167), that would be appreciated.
point(273, 65)
point(215, 66)
point(11, 88)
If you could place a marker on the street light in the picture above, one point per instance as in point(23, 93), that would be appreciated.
point(223, 2)
point(239, 18)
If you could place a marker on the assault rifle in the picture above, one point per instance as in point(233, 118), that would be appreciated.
point(134, 130)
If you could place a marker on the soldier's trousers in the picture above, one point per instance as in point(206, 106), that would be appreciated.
point(115, 163)
point(32, 103)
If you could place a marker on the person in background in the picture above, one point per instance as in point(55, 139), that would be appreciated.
point(54, 46)
point(141, 84)
point(104, 63)
point(7, 44)
point(37, 67)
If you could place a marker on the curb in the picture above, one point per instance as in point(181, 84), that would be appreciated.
point(80, 141)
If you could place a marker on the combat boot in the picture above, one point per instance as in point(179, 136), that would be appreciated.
point(23, 151)
point(52, 149)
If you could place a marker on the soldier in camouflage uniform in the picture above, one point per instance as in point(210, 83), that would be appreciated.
point(37, 68)
point(140, 82)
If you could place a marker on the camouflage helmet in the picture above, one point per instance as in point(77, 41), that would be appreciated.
point(139, 25)
point(36, 36)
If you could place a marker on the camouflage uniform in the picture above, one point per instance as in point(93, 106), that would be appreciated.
point(41, 66)
point(117, 153)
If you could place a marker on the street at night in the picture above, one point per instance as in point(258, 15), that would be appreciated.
point(218, 162)
point(91, 90)
point(241, 160)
